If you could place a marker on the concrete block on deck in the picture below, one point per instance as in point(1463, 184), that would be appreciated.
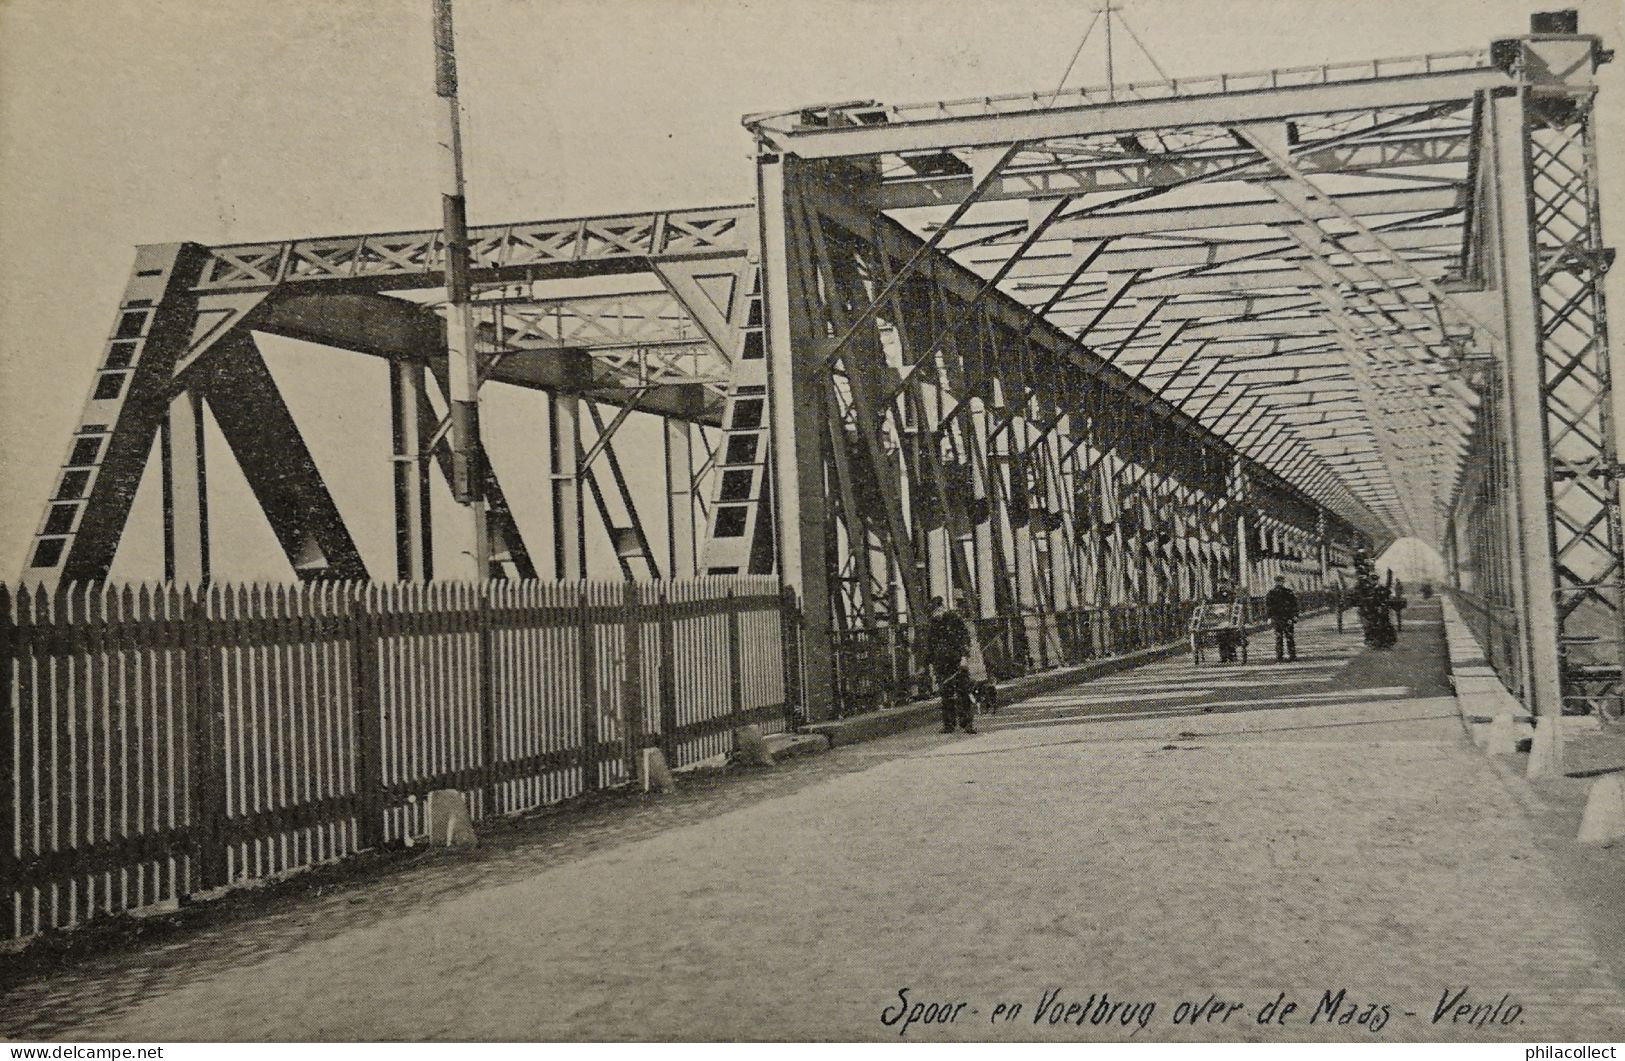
point(749, 747)
point(1603, 821)
point(874, 724)
point(782, 746)
point(449, 821)
point(1481, 696)
point(1501, 736)
point(1575, 724)
point(653, 774)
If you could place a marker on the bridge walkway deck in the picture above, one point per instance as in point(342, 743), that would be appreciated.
point(1159, 836)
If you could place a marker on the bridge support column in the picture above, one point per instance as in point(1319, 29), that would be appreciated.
point(1542, 670)
point(564, 456)
point(1026, 592)
point(797, 386)
point(939, 546)
point(679, 450)
point(1007, 451)
point(1322, 546)
point(185, 492)
point(414, 559)
point(1244, 558)
point(1062, 534)
point(987, 590)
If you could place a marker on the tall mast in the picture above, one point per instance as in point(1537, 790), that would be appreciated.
point(1111, 79)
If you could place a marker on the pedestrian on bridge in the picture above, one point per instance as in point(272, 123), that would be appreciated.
point(1281, 605)
point(947, 640)
point(1229, 637)
point(1375, 615)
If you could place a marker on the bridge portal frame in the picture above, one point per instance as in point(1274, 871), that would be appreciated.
point(1519, 315)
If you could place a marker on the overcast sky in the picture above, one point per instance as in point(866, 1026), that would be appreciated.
point(135, 121)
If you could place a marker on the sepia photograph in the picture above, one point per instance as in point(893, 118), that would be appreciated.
point(802, 521)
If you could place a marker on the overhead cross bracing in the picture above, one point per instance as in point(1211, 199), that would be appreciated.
point(1276, 263)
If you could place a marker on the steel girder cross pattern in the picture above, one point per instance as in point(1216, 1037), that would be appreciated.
point(181, 343)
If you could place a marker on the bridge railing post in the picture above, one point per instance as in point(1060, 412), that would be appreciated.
point(485, 708)
point(667, 634)
point(736, 677)
point(790, 645)
point(587, 677)
point(632, 674)
point(206, 769)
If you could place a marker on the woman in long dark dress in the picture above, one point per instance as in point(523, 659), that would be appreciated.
point(1376, 617)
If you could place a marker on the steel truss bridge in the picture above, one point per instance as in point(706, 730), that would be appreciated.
point(1054, 352)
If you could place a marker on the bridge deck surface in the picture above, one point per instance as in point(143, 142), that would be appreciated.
point(1159, 835)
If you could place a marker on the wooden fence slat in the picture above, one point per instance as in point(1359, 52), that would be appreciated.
point(790, 642)
point(71, 765)
point(52, 685)
point(327, 705)
point(277, 748)
point(587, 677)
point(246, 649)
point(666, 633)
point(118, 744)
point(362, 633)
point(175, 805)
point(735, 665)
point(342, 689)
point(300, 644)
point(632, 676)
point(146, 711)
point(310, 649)
point(33, 724)
point(98, 744)
point(29, 789)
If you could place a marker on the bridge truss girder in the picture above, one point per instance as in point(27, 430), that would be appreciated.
point(958, 442)
point(555, 312)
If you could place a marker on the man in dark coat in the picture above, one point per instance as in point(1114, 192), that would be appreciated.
point(946, 642)
point(1281, 605)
